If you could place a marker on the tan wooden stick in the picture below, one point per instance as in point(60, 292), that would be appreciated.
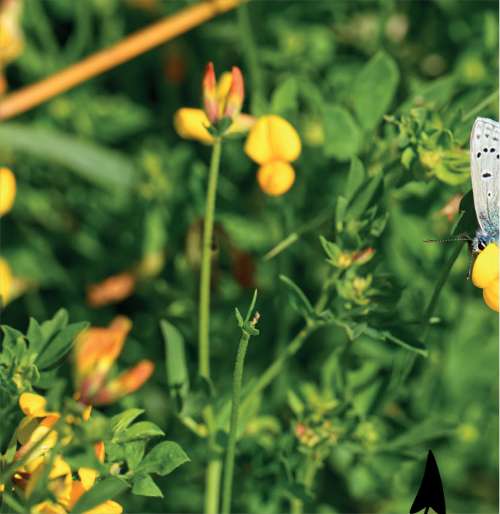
point(99, 62)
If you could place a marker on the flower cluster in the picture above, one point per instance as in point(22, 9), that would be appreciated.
point(273, 143)
point(37, 436)
point(222, 102)
point(485, 275)
point(96, 351)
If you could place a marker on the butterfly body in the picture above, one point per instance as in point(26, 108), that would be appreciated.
point(485, 174)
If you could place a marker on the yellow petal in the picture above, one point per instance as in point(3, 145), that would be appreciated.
point(276, 178)
point(7, 190)
point(108, 507)
point(33, 404)
point(48, 507)
point(191, 124)
point(87, 476)
point(485, 269)
point(490, 295)
point(273, 138)
point(5, 282)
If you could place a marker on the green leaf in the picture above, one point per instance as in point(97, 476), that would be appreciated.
point(134, 452)
point(298, 299)
point(107, 489)
point(139, 431)
point(94, 163)
point(163, 459)
point(175, 359)
point(57, 349)
point(342, 134)
point(121, 421)
point(374, 89)
point(366, 196)
point(284, 98)
point(355, 178)
point(144, 485)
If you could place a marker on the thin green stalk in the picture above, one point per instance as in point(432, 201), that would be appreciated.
point(227, 486)
point(206, 264)
point(295, 345)
point(310, 468)
point(480, 106)
point(251, 56)
point(214, 468)
point(292, 238)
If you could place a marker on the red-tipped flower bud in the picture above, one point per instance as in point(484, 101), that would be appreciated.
point(234, 101)
point(210, 103)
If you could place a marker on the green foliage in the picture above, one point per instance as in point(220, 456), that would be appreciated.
point(373, 346)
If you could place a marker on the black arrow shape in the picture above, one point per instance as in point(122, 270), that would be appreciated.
point(430, 493)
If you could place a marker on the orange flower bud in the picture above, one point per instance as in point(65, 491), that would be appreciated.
point(276, 178)
point(234, 101)
point(485, 274)
point(7, 190)
point(210, 93)
point(111, 290)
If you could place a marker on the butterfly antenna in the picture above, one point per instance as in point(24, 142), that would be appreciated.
point(449, 240)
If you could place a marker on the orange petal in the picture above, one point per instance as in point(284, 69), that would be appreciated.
point(236, 94)
point(111, 290)
point(128, 382)
point(210, 103)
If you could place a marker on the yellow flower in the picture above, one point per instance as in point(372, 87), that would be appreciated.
point(273, 143)
point(192, 124)
point(5, 282)
point(276, 178)
point(273, 138)
point(221, 99)
point(11, 39)
point(7, 190)
point(96, 351)
point(485, 274)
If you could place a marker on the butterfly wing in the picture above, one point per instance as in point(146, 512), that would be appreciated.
point(485, 169)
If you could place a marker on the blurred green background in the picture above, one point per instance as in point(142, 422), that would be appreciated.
point(104, 181)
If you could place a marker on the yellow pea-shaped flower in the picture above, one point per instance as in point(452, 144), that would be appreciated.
point(192, 124)
point(276, 178)
point(485, 269)
point(5, 282)
point(7, 190)
point(273, 138)
point(490, 295)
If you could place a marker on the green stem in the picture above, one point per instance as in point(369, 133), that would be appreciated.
point(296, 344)
point(206, 264)
point(258, 103)
point(233, 426)
point(292, 238)
point(214, 468)
point(479, 107)
point(308, 479)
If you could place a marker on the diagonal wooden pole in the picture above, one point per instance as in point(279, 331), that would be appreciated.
point(99, 62)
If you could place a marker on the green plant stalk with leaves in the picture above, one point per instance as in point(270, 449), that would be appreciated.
point(248, 330)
